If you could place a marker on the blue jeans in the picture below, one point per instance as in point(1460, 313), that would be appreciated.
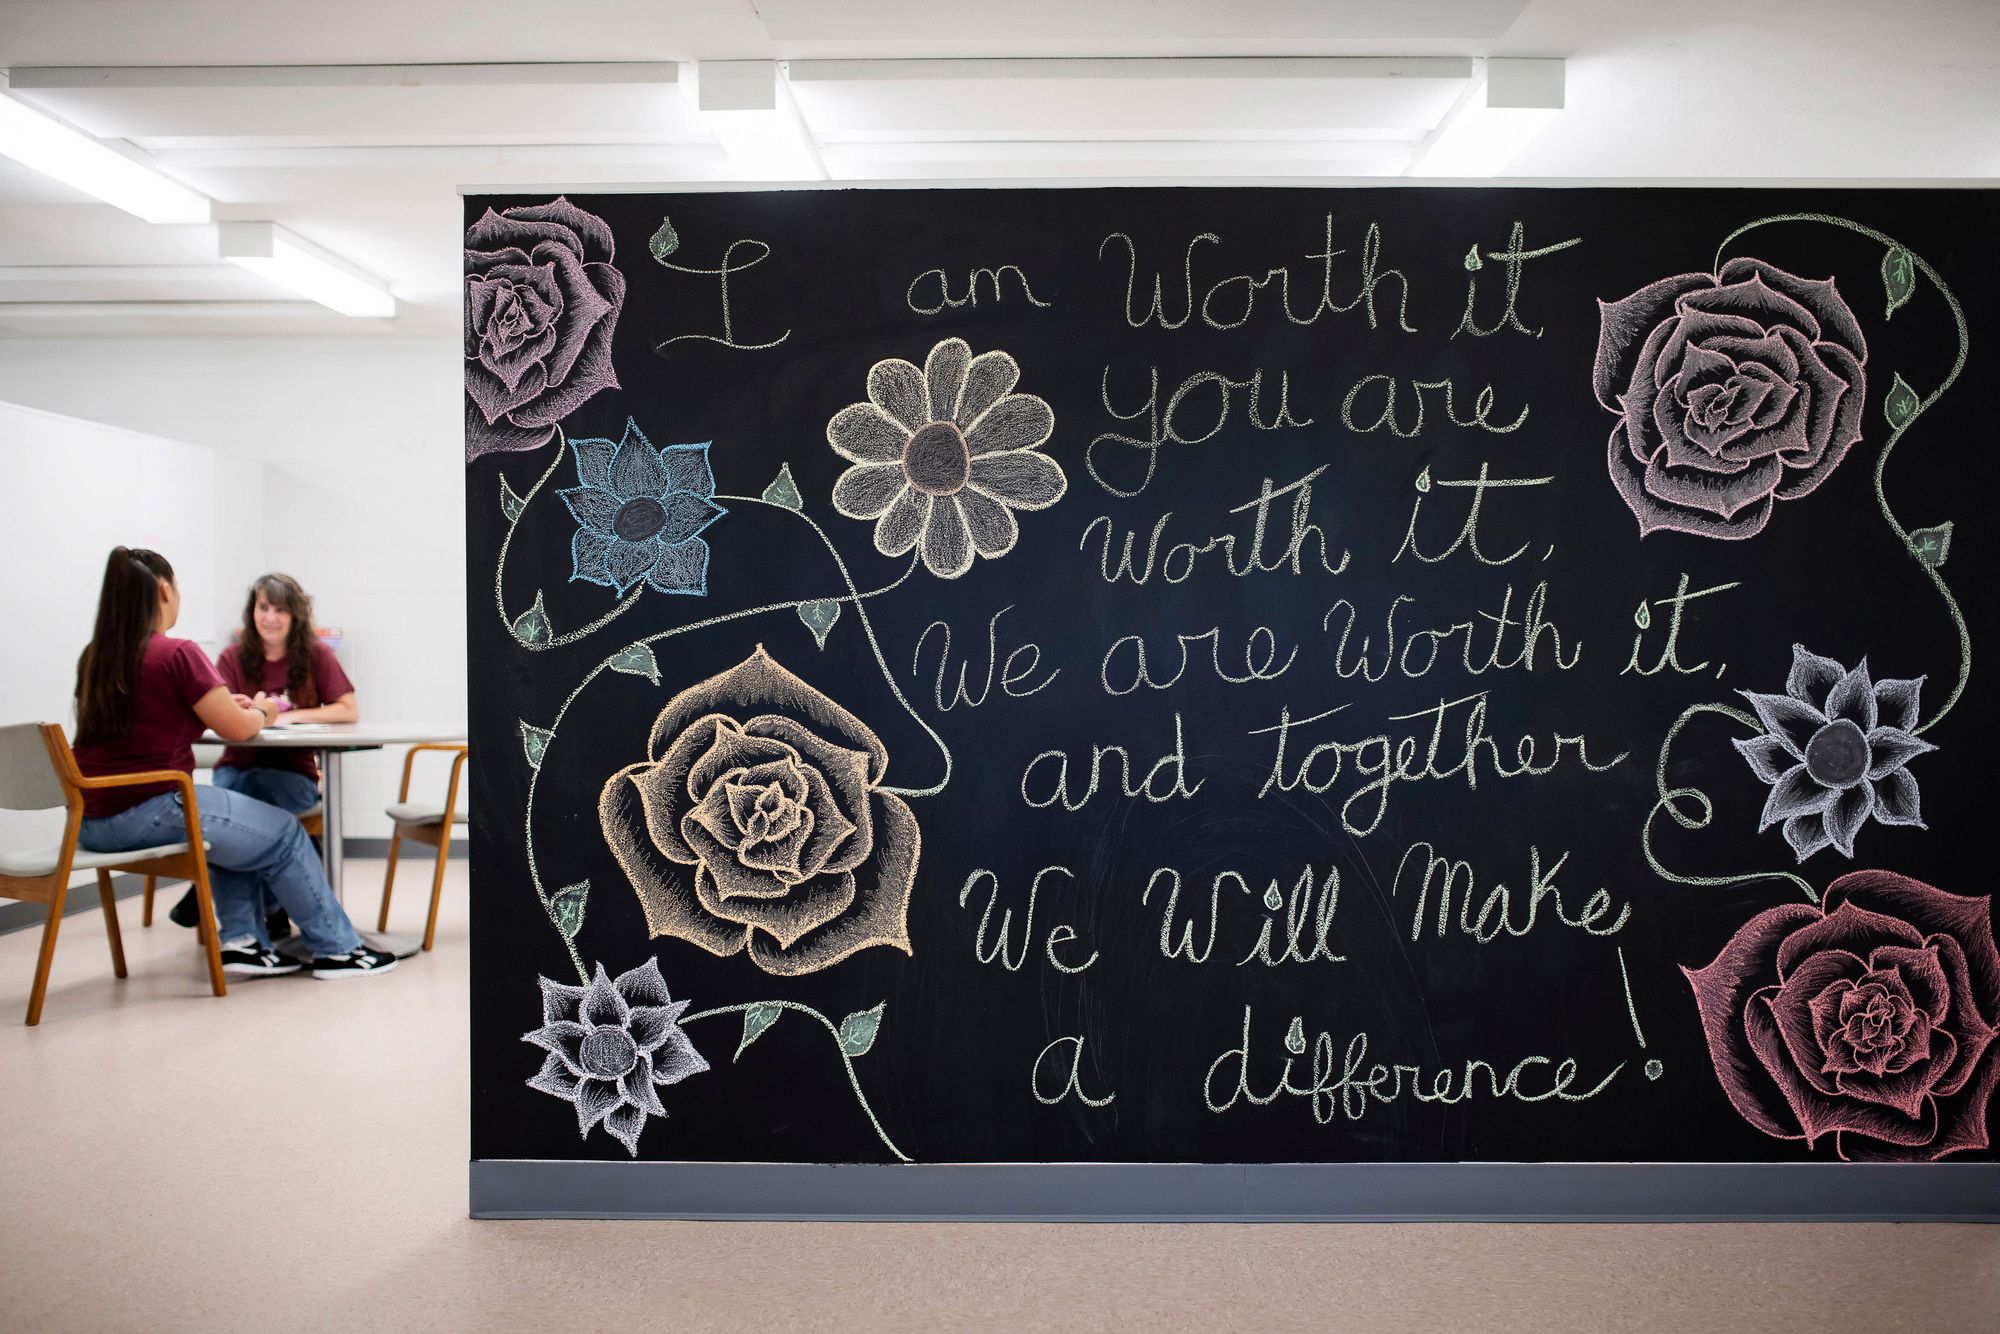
point(287, 789)
point(254, 849)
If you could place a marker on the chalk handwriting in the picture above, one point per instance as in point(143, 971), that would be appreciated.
point(721, 274)
point(1669, 657)
point(1468, 533)
point(1072, 1084)
point(1512, 258)
point(946, 301)
point(1021, 664)
point(1431, 875)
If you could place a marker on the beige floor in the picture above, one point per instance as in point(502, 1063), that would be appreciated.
point(295, 1154)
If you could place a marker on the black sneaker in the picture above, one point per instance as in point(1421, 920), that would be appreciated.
point(187, 912)
point(278, 925)
point(357, 962)
point(246, 958)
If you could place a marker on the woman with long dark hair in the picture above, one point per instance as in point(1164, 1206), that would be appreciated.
point(277, 657)
point(142, 698)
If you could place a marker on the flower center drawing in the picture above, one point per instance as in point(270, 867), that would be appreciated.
point(936, 459)
point(608, 1052)
point(1837, 756)
point(640, 519)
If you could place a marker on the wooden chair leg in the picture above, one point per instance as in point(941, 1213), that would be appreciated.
point(48, 954)
point(437, 885)
point(389, 880)
point(110, 902)
point(211, 934)
point(146, 914)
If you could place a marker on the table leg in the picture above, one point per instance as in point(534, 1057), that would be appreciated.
point(329, 841)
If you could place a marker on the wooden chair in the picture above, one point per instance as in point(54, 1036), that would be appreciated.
point(423, 824)
point(38, 772)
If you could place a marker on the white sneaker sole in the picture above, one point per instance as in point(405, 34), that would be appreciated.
point(250, 970)
point(342, 974)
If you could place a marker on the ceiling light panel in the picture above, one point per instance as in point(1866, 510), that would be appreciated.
point(269, 250)
point(76, 159)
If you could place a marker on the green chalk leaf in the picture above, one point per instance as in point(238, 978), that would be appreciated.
point(755, 1020)
point(1473, 263)
point(819, 618)
point(857, 1031)
point(1272, 898)
point(1901, 404)
point(665, 241)
point(1899, 278)
point(783, 490)
point(1424, 479)
point(532, 626)
point(1295, 1037)
point(566, 908)
point(636, 660)
point(1931, 545)
point(511, 505)
point(1643, 618)
point(534, 743)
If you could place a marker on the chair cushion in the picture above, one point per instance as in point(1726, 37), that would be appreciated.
point(42, 861)
point(410, 812)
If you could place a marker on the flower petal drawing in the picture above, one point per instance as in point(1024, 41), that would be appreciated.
point(942, 454)
point(759, 824)
point(611, 1046)
point(1832, 754)
point(639, 512)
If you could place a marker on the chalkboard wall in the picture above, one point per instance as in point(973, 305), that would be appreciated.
point(1231, 675)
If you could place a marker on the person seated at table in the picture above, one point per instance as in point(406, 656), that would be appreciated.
point(141, 700)
point(277, 656)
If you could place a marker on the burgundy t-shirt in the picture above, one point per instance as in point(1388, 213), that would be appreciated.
point(327, 678)
point(162, 730)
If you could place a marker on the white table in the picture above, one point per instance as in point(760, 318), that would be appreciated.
point(331, 741)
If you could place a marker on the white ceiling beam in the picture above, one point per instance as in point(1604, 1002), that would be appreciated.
point(77, 77)
point(1137, 67)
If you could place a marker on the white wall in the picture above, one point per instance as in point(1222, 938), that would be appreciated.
point(72, 491)
point(357, 443)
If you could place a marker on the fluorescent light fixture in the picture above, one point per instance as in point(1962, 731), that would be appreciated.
point(268, 249)
point(749, 106)
point(1508, 104)
point(74, 158)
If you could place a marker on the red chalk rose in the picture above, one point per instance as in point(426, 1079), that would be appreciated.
point(1870, 1018)
point(1734, 390)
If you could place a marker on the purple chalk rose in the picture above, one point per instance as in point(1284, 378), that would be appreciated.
point(541, 301)
point(1733, 391)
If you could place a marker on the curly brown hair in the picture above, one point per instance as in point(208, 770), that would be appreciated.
point(282, 591)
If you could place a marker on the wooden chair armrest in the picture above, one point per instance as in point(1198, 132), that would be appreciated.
point(185, 781)
point(410, 760)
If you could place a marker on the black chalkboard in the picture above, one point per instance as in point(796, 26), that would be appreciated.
point(1269, 675)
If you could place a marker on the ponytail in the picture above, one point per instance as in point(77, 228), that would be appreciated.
point(107, 675)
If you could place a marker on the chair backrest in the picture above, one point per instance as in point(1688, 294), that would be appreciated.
point(28, 780)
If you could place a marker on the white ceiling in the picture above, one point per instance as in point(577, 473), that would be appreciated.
point(234, 97)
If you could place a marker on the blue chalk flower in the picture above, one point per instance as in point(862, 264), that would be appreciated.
point(639, 511)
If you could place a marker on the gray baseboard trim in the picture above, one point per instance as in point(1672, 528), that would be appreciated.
point(81, 898)
point(412, 852)
point(1262, 1192)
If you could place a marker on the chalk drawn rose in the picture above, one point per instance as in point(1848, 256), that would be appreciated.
point(1834, 749)
point(1870, 1018)
point(943, 456)
point(759, 823)
point(541, 301)
point(1733, 391)
point(610, 1046)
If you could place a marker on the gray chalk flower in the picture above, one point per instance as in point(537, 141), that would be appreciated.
point(943, 455)
point(610, 1045)
point(1834, 749)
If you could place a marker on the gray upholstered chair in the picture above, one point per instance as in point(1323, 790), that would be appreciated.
point(38, 773)
point(423, 823)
